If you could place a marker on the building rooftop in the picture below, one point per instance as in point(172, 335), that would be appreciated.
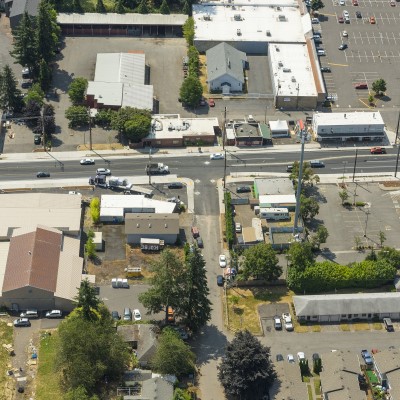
point(388, 362)
point(151, 224)
point(172, 126)
point(20, 6)
point(279, 125)
point(255, 20)
point(246, 129)
point(348, 118)
point(288, 385)
point(274, 186)
point(277, 198)
point(109, 93)
point(291, 70)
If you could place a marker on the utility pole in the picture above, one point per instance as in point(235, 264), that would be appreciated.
point(224, 131)
point(397, 160)
point(397, 129)
point(296, 215)
point(225, 170)
point(90, 130)
point(43, 130)
point(265, 114)
point(148, 169)
point(355, 164)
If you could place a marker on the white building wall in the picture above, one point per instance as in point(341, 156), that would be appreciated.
point(235, 85)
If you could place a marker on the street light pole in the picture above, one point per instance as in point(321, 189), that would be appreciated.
point(298, 193)
point(397, 160)
point(148, 169)
point(355, 164)
point(90, 130)
point(224, 131)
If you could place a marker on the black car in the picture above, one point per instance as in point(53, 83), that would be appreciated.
point(358, 14)
point(279, 357)
point(343, 46)
point(175, 185)
point(115, 315)
point(220, 280)
point(37, 139)
point(243, 189)
point(325, 69)
point(42, 175)
point(315, 356)
point(200, 243)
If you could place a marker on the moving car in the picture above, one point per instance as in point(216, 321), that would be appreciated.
point(342, 3)
point(361, 86)
point(378, 150)
point(220, 280)
point(372, 20)
point(216, 156)
point(22, 322)
point(317, 164)
point(87, 161)
point(103, 171)
point(343, 46)
point(42, 174)
point(54, 314)
point(243, 189)
point(291, 359)
point(136, 315)
point(175, 185)
point(222, 260)
point(211, 102)
point(277, 323)
point(325, 69)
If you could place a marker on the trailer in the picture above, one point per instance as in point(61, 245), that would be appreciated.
point(157, 169)
point(151, 244)
point(98, 180)
point(274, 213)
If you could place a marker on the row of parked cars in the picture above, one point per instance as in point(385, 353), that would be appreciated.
point(27, 315)
point(286, 321)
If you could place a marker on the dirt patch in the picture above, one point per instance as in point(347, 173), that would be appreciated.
point(101, 146)
point(203, 73)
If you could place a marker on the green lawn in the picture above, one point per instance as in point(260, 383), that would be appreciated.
point(372, 377)
point(48, 387)
point(6, 337)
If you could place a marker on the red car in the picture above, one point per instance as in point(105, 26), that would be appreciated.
point(372, 20)
point(211, 102)
point(355, 3)
point(361, 86)
point(340, 20)
point(378, 150)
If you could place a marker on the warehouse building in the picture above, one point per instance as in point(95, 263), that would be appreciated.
point(349, 126)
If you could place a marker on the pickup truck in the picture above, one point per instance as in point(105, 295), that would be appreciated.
point(157, 169)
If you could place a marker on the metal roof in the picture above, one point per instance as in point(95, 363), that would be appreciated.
point(20, 6)
point(348, 118)
point(121, 19)
point(155, 224)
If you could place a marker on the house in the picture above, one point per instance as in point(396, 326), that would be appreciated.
point(119, 81)
point(273, 186)
point(15, 9)
point(387, 368)
point(114, 207)
point(288, 384)
point(225, 67)
point(279, 128)
point(142, 339)
point(278, 201)
point(252, 235)
point(346, 307)
point(43, 270)
point(151, 226)
point(27, 210)
point(339, 377)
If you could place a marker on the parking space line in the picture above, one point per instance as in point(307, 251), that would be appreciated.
point(339, 65)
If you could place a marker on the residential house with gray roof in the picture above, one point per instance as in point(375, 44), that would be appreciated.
point(15, 10)
point(225, 67)
point(387, 367)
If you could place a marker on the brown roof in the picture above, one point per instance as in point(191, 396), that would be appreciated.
point(33, 260)
point(151, 223)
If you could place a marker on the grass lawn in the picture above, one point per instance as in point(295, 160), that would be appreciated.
point(6, 337)
point(345, 327)
point(361, 326)
point(316, 328)
point(377, 326)
point(47, 380)
point(372, 377)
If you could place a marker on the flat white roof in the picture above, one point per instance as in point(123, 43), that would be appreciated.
point(138, 96)
point(172, 126)
point(109, 93)
point(279, 125)
point(220, 22)
point(348, 118)
point(291, 70)
point(277, 198)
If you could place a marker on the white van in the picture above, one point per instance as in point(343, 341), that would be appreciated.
point(274, 213)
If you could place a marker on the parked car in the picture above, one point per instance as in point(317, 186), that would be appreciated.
point(103, 171)
point(388, 324)
point(277, 323)
point(361, 86)
point(195, 232)
point(127, 314)
point(342, 3)
point(392, 3)
point(340, 20)
point(42, 174)
point(372, 20)
point(203, 102)
point(279, 357)
point(211, 102)
point(321, 52)
point(289, 168)
point(367, 357)
point(316, 357)
point(378, 150)
point(115, 315)
point(200, 243)
point(358, 14)
point(54, 314)
point(343, 46)
point(345, 34)
point(287, 321)
point(87, 161)
point(136, 315)
point(243, 189)
point(317, 35)
point(222, 260)
point(26, 84)
point(37, 139)
point(22, 322)
point(355, 2)
point(238, 227)
point(346, 14)
point(175, 185)
point(220, 280)
point(301, 356)
point(216, 156)
point(325, 69)
point(30, 313)
point(314, 20)
point(291, 359)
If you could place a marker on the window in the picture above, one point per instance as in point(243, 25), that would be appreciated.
point(343, 315)
point(363, 315)
point(355, 315)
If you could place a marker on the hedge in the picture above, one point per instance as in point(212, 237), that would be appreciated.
point(229, 228)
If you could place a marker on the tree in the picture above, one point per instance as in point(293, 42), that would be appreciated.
point(32, 113)
point(168, 284)
point(317, 5)
point(179, 394)
point(382, 237)
point(317, 367)
point(45, 75)
point(87, 351)
point(191, 91)
point(390, 255)
point(188, 31)
point(95, 209)
point(24, 50)
point(137, 127)
point(344, 195)
point(173, 356)
point(87, 301)
point(379, 86)
point(76, 4)
point(77, 90)
point(90, 248)
point(143, 7)
point(79, 393)
point(308, 177)
point(119, 7)
point(261, 261)
point(123, 115)
point(10, 95)
point(47, 124)
point(103, 117)
point(164, 8)
point(304, 368)
point(77, 116)
point(187, 9)
point(100, 8)
point(309, 207)
point(246, 371)
point(35, 93)
point(196, 308)
point(321, 234)
point(300, 255)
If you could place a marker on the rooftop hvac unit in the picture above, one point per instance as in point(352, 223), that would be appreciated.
point(207, 17)
point(287, 70)
point(277, 48)
point(280, 64)
point(281, 17)
point(278, 9)
point(237, 17)
point(268, 33)
point(293, 79)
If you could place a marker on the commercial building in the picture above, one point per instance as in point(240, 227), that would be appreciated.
point(15, 9)
point(119, 81)
point(349, 126)
point(171, 130)
point(279, 128)
point(346, 307)
point(278, 201)
point(130, 24)
point(225, 67)
point(246, 133)
point(151, 226)
point(273, 186)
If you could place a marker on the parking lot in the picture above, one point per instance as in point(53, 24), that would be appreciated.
point(372, 53)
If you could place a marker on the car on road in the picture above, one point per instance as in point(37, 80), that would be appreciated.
point(175, 185)
point(326, 69)
point(277, 323)
point(222, 260)
point(291, 359)
point(301, 356)
point(73, 192)
point(211, 102)
point(220, 280)
point(367, 357)
point(377, 150)
point(317, 164)
point(103, 171)
point(279, 357)
point(238, 227)
point(345, 34)
point(200, 243)
point(136, 315)
point(358, 14)
point(314, 20)
point(87, 161)
point(243, 189)
point(340, 20)
point(372, 20)
point(42, 174)
point(216, 156)
point(361, 86)
point(54, 314)
point(22, 322)
point(343, 46)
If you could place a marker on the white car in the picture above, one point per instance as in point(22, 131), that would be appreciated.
point(222, 260)
point(346, 14)
point(287, 317)
point(287, 321)
point(103, 171)
point(87, 161)
point(238, 227)
point(342, 2)
point(301, 356)
point(136, 315)
point(345, 34)
point(73, 192)
point(290, 359)
point(216, 156)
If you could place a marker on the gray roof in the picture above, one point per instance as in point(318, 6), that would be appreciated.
point(154, 224)
point(20, 6)
point(388, 362)
point(288, 385)
point(355, 303)
point(273, 186)
point(224, 59)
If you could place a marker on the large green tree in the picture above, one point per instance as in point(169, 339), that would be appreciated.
point(45, 75)
point(137, 127)
point(300, 255)
point(123, 115)
point(35, 93)
point(164, 8)
point(87, 301)
point(191, 91)
point(173, 355)
point(196, 308)
point(379, 86)
point(309, 207)
point(100, 8)
point(391, 256)
point(317, 5)
point(261, 261)
point(308, 176)
point(77, 116)
point(246, 372)
point(143, 7)
point(77, 90)
point(10, 95)
point(188, 31)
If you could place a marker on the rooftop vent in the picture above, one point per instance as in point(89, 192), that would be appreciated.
point(149, 225)
point(166, 225)
point(281, 17)
point(137, 225)
point(268, 33)
point(293, 79)
point(237, 17)
point(278, 8)
point(277, 48)
point(207, 17)
point(280, 64)
point(287, 70)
